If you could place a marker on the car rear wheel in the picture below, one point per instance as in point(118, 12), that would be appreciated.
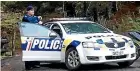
point(28, 65)
point(72, 59)
point(125, 64)
point(31, 64)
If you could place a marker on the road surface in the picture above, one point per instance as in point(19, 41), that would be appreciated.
point(15, 64)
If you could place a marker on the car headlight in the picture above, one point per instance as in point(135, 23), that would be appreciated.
point(91, 45)
point(88, 44)
point(130, 42)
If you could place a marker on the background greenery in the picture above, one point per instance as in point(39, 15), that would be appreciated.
point(117, 16)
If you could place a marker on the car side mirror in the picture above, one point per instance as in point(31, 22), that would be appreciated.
point(111, 31)
point(52, 34)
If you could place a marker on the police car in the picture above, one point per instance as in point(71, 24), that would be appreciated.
point(74, 41)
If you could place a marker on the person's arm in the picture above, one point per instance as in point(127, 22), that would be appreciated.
point(39, 17)
point(39, 20)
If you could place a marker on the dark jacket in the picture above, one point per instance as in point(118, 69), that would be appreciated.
point(31, 19)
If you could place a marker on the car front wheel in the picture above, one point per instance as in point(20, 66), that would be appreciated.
point(125, 64)
point(137, 51)
point(137, 54)
point(72, 59)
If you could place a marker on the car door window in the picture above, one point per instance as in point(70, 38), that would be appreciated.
point(34, 30)
point(48, 25)
point(56, 28)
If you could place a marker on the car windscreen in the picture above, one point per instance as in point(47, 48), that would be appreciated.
point(84, 28)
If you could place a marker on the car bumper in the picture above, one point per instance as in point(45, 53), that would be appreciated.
point(103, 59)
point(91, 56)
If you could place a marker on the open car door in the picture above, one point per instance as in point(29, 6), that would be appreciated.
point(39, 43)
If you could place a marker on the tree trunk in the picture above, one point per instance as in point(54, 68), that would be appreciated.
point(85, 8)
point(114, 7)
point(95, 16)
point(13, 41)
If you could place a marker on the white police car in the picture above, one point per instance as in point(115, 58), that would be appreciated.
point(74, 42)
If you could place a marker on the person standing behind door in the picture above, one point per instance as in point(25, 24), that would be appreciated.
point(30, 17)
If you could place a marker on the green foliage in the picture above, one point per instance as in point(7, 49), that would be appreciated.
point(14, 11)
point(136, 24)
point(126, 24)
point(8, 24)
point(41, 7)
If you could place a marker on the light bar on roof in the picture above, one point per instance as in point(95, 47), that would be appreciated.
point(83, 18)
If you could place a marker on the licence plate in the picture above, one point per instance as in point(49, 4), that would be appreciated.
point(117, 53)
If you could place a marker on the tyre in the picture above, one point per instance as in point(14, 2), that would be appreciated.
point(72, 59)
point(28, 65)
point(137, 51)
point(36, 64)
point(125, 64)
